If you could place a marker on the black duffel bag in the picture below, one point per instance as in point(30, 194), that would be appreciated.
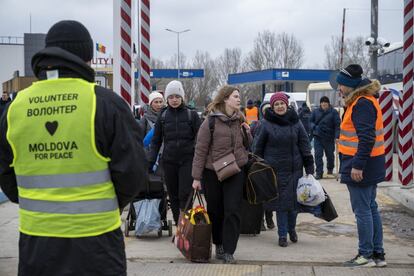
point(261, 182)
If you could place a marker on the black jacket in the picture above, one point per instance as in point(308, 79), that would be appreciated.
point(116, 136)
point(326, 127)
point(178, 134)
point(3, 105)
point(284, 144)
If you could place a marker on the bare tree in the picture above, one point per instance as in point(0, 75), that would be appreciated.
point(291, 53)
point(264, 54)
point(157, 64)
point(273, 50)
point(355, 51)
point(228, 63)
point(200, 90)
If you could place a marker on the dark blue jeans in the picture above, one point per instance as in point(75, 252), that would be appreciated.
point(368, 219)
point(321, 146)
point(286, 222)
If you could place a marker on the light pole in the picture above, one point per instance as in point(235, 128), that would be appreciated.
point(178, 47)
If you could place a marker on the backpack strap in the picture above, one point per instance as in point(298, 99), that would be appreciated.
point(190, 120)
point(211, 125)
point(163, 114)
point(189, 117)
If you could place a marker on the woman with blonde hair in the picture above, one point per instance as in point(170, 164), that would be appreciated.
point(221, 134)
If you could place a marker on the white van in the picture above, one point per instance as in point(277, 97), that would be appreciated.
point(296, 99)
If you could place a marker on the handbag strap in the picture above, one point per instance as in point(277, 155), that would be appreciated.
point(200, 198)
point(245, 139)
point(320, 119)
point(190, 200)
point(192, 197)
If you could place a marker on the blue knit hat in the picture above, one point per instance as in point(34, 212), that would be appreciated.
point(350, 76)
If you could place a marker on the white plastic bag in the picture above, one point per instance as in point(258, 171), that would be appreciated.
point(148, 216)
point(310, 191)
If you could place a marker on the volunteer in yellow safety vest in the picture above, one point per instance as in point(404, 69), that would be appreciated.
point(71, 158)
point(361, 147)
point(252, 112)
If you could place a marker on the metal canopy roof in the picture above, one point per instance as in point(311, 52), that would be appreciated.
point(270, 75)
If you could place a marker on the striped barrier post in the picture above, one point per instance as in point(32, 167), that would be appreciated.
point(385, 101)
point(405, 122)
point(125, 49)
point(145, 84)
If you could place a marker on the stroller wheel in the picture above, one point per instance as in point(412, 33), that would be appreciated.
point(126, 230)
point(160, 233)
point(169, 228)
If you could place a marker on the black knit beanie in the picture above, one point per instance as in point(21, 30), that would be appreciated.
point(71, 36)
point(324, 99)
point(350, 76)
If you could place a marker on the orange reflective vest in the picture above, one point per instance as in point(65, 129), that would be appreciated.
point(252, 114)
point(348, 138)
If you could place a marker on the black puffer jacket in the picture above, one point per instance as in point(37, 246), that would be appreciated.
point(284, 144)
point(178, 134)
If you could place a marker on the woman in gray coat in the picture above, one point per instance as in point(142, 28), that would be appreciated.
point(284, 145)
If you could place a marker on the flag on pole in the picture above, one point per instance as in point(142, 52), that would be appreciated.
point(100, 48)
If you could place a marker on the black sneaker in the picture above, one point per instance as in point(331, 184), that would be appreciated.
point(229, 259)
point(379, 259)
point(318, 176)
point(293, 236)
point(283, 242)
point(330, 171)
point(219, 252)
point(360, 261)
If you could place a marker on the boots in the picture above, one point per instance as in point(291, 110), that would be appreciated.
point(283, 242)
point(269, 220)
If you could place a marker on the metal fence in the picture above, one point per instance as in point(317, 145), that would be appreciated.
point(11, 40)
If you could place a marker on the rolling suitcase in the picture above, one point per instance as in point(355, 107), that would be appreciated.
point(251, 218)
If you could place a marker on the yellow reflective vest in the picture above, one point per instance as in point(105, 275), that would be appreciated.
point(64, 184)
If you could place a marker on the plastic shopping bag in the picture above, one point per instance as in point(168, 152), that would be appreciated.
point(148, 216)
point(309, 191)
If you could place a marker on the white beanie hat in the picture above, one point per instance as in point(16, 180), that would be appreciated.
point(174, 88)
point(154, 95)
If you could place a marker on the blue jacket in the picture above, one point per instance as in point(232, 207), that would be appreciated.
point(364, 116)
point(283, 143)
point(326, 128)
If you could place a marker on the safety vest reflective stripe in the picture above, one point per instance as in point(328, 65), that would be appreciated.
point(355, 144)
point(354, 134)
point(63, 180)
point(72, 207)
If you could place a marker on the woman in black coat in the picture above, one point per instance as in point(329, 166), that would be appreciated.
point(284, 144)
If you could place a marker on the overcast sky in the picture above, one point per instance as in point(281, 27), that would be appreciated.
point(215, 24)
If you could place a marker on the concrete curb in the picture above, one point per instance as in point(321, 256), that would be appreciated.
point(403, 196)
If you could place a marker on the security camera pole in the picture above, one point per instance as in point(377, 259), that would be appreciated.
point(374, 35)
